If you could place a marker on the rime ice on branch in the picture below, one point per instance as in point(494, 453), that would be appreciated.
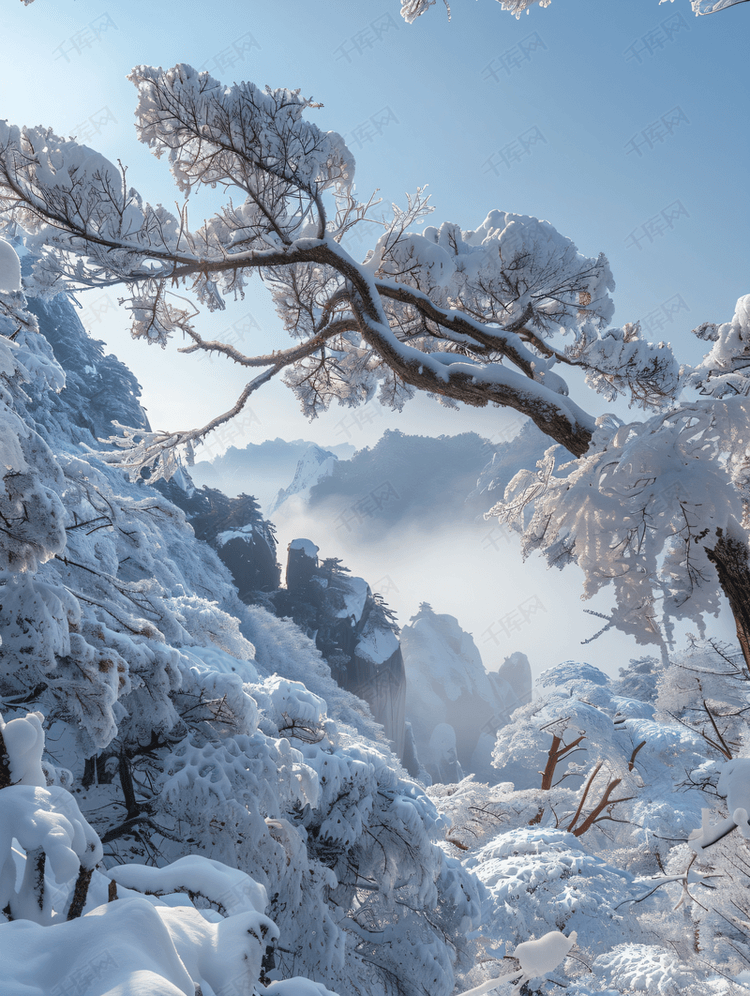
point(484, 316)
point(464, 315)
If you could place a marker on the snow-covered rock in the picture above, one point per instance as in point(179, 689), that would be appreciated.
point(314, 465)
point(351, 628)
point(447, 684)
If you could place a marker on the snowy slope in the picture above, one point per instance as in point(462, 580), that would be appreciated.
point(177, 716)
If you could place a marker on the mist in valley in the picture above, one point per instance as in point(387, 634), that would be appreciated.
point(407, 515)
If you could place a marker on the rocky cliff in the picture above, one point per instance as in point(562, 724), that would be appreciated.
point(352, 628)
point(454, 705)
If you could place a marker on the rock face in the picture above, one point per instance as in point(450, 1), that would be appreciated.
point(516, 671)
point(448, 686)
point(351, 628)
point(234, 527)
point(260, 469)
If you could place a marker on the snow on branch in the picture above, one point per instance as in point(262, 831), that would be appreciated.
point(242, 138)
point(663, 486)
point(441, 311)
point(513, 270)
point(412, 9)
point(618, 361)
point(711, 6)
point(537, 958)
point(45, 822)
point(734, 785)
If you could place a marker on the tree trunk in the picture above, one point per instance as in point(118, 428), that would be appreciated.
point(80, 893)
point(730, 558)
point(5, 779)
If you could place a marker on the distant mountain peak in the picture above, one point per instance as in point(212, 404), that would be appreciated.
point(314, 465)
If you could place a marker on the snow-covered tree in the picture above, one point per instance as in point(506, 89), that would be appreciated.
point(390, 319)
point(485, 316)
point(180, 741)
point(654, 507)
point(193, 926)
point(412, 9)
point(649, 913)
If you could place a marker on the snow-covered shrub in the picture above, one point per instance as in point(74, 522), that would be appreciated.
point(161, 944)
point(182, 742)
point(648, 913)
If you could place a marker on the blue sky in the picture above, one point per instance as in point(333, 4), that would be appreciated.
point(623, 123)
point(533, 115)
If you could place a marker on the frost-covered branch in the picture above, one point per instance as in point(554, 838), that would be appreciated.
point(686, 879)
point(659, 509)
point(557, 752)
point(656, 509)
point(412, 9)
point(447, 311)
point(605, 803)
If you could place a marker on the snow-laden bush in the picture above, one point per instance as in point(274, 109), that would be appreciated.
point(49, 856)
point(655, 891)
point(184, 745)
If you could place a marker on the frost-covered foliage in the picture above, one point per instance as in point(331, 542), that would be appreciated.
point(656, 509)
point(647, 915)
point(412, 9)
point(183, 742)
point(513, 270)
point(465, 314)
point(619, 362)
point(32, 514)
point(51, 877)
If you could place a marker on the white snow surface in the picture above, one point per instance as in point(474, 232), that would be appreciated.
point(24, 743)
point(354, 592)
point(219, 661)
point(307, 546)
point(132, 947)
point(377, 645)
point(243, 532)
point(233, 889)
point(544, 954)
point(10, 268)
